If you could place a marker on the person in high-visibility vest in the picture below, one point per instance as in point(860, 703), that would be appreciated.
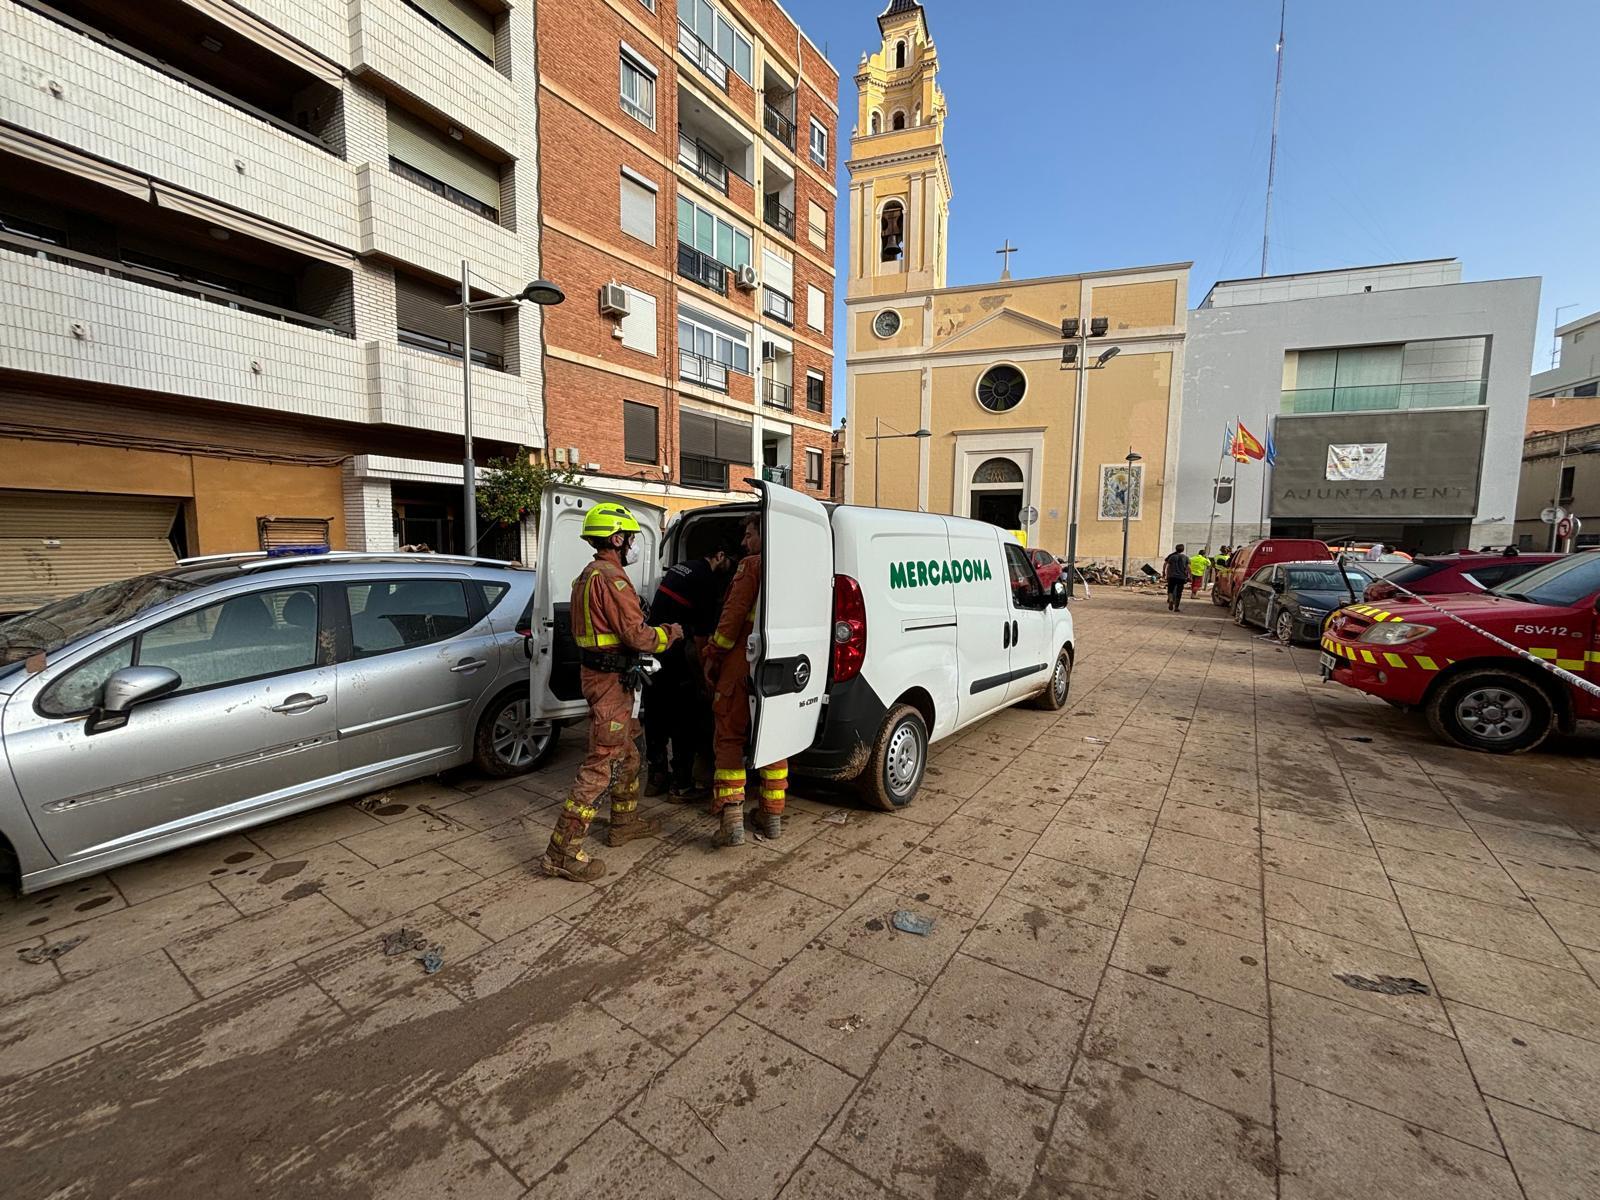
point(1199, 564)
point(728, 679)
point(609, 626)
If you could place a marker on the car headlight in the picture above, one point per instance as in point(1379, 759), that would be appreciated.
point(1313, 614)
point(1392, 633)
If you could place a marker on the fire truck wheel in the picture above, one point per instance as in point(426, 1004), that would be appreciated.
point(1491, 710)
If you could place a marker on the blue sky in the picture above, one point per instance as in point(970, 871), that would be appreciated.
point(1109, 134)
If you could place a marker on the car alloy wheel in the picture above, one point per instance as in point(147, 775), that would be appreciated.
point(1283, 627)
point(515, 738)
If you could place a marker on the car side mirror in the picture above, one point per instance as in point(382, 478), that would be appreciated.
point(124, 690)
point(1278, 585)
point(1058, 594)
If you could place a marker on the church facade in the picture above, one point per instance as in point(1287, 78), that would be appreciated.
point(979, 367)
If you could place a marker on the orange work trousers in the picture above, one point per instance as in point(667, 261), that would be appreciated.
point(612, 761)
point(730, 707)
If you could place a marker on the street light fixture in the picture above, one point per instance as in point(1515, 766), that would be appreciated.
point(877, 435)
point(1127, 500)
point(541, 292)
point(1074, 357)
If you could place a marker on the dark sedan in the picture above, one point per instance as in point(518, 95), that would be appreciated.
point(1291, 600)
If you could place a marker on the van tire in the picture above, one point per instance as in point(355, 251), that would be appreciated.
point(899, 759)
point(1054, 696)
point(508, 742)
point(1488, 709)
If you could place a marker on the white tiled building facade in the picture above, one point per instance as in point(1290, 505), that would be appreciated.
point(124, 148)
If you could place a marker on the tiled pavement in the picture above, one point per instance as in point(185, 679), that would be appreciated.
point(1143, 909)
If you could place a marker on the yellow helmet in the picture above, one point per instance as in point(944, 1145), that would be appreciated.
point(604, 520)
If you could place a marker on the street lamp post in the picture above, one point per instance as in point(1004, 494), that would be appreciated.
point(879, 436)
point(1127, 509)
point(1074, 357)
point(541, 292)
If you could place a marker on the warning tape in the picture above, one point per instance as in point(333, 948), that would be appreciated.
point(1543, 664)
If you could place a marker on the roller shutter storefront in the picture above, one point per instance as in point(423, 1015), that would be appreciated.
point(54, 544)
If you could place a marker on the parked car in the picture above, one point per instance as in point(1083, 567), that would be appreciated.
point(1474, 691)
point(223, 693)
point(1291, 600)
point(1244, 562)
point(1046, 565)
point(1448, 574)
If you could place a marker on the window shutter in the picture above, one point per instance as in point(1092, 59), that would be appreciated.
point(639, 430)
point(733, 440)
point(421, 307)
point(817, 223)
point(464, 19)
point(638, 211)
point(815, 303)
point(420, 145)
point(639, 326)
point(697, 433)
point(777, 272)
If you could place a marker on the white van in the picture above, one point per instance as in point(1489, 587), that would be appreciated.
point(879, 631)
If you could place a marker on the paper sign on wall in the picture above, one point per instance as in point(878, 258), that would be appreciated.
point(1366, 460)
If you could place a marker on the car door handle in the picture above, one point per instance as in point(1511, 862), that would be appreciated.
point(298, 703)
point(1016, 633)
point(1006, 629)
point(468, 665)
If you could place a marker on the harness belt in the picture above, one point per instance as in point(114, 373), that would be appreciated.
point(608, 661)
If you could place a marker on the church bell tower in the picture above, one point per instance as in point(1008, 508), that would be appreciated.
point(899, 178)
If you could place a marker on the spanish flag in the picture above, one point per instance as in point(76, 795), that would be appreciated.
point(1246, 447)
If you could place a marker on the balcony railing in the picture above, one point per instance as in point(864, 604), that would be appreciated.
point(778, 124)
point(779, 217)
point(439, 188)
point(778, 395)
point(1380, 396)
point(33, 248)
point(777, 306)
point(702, 56)
point(697, 471)
point(703, 269)
point(703, 161)
point(705, 371)
point(781, 475)
point(438, 345)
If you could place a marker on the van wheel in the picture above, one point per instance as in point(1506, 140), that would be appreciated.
point(1491, 710)
point(899, 757)
point(509, 742)
point(1054, 696)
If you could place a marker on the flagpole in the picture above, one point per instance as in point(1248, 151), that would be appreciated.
point(1266, 479)
point(1211, 527)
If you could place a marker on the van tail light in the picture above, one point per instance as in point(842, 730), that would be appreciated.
point(849, 643)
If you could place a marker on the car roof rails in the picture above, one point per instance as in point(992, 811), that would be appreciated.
point(256, 560)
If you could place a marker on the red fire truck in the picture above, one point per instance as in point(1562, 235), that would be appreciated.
point(1480, 666)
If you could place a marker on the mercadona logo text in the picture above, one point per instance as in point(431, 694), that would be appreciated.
point(933, 572)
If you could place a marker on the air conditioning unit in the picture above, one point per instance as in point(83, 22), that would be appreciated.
point(613, 300)
point(747, 279)
point(561, 456)
point(572, 456)
point(769, 351)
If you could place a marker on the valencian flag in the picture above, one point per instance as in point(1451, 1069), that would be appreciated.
point(1246, 447)
point(1272, 445)
point(1227, 440)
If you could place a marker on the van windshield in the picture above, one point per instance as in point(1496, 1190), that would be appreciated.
point(1561, 583)
point(50, 628)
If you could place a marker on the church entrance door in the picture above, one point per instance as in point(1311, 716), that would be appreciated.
point(997, 508)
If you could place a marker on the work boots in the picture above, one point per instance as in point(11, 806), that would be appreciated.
point(628, 825)
point(732, 827)
point(770, 824)
point(578, 867)
point(657, 782)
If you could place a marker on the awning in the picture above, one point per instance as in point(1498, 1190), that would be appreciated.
point(259, 33)
point(263, 231)
point(62, 159)
point(55, 544)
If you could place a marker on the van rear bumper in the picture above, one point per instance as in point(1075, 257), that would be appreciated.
point(850, 724)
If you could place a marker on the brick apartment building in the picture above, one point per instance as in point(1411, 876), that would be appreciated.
point(687, 152)
point(230, 233)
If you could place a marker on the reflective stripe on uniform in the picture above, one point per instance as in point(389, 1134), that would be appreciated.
point(661, 639)
point(772, 794)
point(722, 642)
point(774, 772)
point(588, 639)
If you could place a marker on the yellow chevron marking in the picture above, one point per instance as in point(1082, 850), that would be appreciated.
point(1367, 654)
point(1570, 664)
point(1394, 660)
point(1541, 652)
point(1427, 664)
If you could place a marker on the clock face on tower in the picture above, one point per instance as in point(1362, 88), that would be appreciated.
point(886, 324)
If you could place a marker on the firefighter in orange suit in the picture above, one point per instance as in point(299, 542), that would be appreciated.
point(728, 680)
point(609, 627)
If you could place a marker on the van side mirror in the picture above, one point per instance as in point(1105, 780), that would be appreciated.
point(125, 689)
point(1058, 594)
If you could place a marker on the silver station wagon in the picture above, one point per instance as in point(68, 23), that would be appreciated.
point(226, 692)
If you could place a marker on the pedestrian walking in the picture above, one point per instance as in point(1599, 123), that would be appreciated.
point(1175, 570)
point(677, 712)
point(1199, 564)
point(727, 677)
point(609, 626)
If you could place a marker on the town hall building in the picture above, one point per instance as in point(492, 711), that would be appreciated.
point(978, 370)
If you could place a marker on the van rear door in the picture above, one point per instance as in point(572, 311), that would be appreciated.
point(562, 555)
point(790, 667)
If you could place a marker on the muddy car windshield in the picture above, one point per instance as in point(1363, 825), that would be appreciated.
point(1564, 582)
point(49, 628)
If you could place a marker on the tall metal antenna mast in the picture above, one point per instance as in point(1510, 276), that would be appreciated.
point(1272, 160)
